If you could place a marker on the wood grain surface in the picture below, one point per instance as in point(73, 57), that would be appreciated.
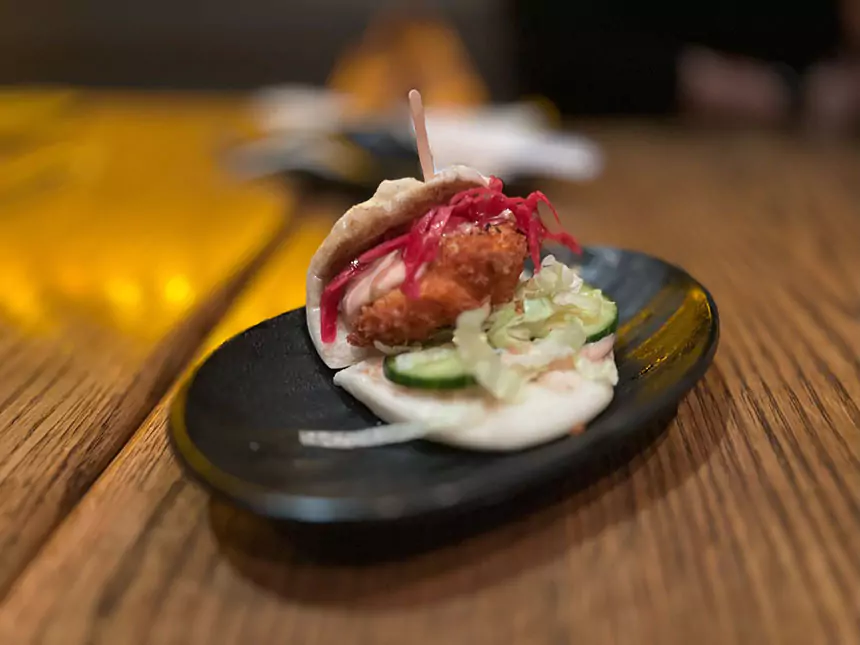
point(740, 525)
point(118, 253)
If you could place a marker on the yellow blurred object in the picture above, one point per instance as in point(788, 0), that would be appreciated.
point(280, 285)
point(34, 111)
point(121, 218)
point(397, 54)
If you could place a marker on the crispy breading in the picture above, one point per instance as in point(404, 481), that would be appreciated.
point(472, 266)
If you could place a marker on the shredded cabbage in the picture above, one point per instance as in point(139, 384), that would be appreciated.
point(543, 328)
point(553, 278)
point(537, 310)
point(482, 361)
point(555, 298)
point(540, 354)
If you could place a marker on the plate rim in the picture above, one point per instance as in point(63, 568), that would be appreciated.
point(276, 505)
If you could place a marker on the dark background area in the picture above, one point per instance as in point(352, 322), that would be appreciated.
point(600, 56)
point(219, 43)
point(589, 56)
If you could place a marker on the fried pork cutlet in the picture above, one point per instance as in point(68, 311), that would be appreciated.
point(472, 267)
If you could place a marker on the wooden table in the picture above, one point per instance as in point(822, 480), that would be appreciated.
point(742, 525)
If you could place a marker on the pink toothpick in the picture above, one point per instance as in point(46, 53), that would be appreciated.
point(421, 140)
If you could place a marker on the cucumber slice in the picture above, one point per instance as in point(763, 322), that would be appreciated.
point(437, 368)
point(606, 323)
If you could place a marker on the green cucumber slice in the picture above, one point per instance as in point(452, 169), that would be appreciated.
point(437, 368)
point(606, 323)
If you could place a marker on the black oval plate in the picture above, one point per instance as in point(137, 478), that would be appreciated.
point(234, 424)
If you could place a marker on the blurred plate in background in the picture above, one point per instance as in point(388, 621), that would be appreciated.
point(311, 133)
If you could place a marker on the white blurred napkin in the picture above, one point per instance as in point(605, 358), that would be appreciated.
point(510, 140)
point(503, 140)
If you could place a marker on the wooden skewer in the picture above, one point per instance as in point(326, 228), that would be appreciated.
point(421, 140)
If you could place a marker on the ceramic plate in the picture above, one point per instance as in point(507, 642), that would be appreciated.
point(234, 424)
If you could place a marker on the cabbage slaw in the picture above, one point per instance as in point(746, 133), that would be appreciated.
point(542, 328)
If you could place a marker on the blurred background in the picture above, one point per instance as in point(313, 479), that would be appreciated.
point(151, 150)
point(758, 60)
point(168, 168)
